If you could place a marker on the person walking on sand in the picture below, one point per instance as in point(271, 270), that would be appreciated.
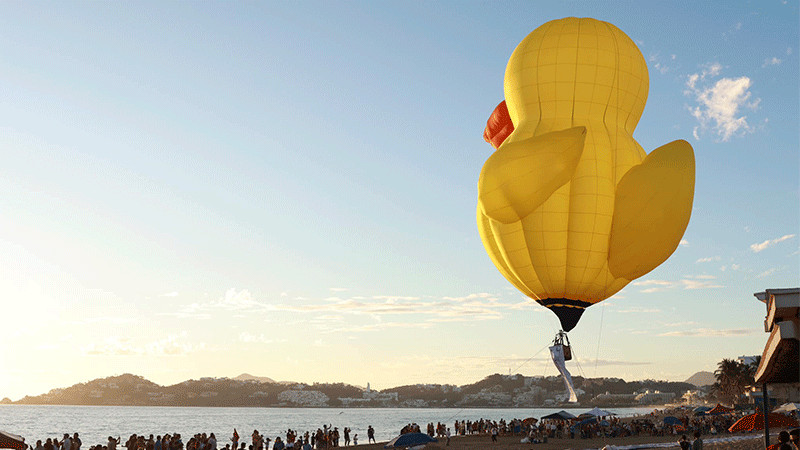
point(448, 437)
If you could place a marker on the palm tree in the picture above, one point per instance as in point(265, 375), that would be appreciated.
point(732, 378)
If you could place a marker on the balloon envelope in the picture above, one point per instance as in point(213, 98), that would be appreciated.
point(570, 207)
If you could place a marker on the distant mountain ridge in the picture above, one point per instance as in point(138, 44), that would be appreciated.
point(701, 379)
point(506, 391)
point(247, 377)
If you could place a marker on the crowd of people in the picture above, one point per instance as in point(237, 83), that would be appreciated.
point(323, 438)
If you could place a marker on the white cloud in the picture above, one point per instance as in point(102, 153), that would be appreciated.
point(428, 310)
point(766, 273)
point(652, 283)
point(708, 259)
point(719, 103)
point(708, 332)
point(687, 283)
point(684, 243)
point(233, 300)
point(733, 267)
point(774, 61)
point(171, 345)
point(699, 284)
point(638, 310)
point(769, 243)
point(658, 64)
point(259, 339)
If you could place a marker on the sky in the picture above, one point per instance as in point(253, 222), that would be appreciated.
point(288, 189)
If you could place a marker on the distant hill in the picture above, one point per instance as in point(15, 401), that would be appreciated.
point(246, 390)
point(701, 379)
point(248, 377)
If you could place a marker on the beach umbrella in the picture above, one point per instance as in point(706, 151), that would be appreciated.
point(529, 420)
point(672, 420)
point(409, 440)
point(787, 408)
point(8, 440)
point(719, 409)
point(561, 415)
point(587, 421)
point(756, 422)
point(597, 412)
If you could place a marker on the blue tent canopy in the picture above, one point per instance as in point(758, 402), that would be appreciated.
point(671, 420)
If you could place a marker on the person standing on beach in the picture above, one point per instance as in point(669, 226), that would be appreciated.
point(794, 437)
point(370, 435)
point(235, 440)
point(66, 443)
point(698, 442)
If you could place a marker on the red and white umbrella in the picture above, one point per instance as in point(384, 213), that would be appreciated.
point(756, 422)
point(8, 440)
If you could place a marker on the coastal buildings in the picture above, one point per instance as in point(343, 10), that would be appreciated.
point(779, 368)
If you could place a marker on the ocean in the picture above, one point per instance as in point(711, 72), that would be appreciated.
point(95, 423)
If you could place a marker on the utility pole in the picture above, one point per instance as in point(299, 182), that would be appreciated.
point(765, 396)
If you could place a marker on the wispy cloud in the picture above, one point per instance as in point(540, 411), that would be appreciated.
point(427, 309)
point(732, 30)
point(611, 362)
point(172, 345)
point(259, 339)
point(774, 61)
point(708, 259)
point(687, 283)
point(719, 103)
point(637, 310)
point(766, 273)
point(659, 62)
point(684, 243)
point(769, 243)
point(708, 332)
point(233, 300)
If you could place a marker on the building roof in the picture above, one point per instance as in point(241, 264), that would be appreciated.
point(779, 362)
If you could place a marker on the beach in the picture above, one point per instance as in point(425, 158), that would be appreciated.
point(753, 441)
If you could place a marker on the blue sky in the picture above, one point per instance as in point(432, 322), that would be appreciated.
point(288, 189)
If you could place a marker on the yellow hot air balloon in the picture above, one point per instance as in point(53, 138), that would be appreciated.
point(570, 207)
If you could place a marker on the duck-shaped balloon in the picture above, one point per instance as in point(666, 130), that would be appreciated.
point(570, 207)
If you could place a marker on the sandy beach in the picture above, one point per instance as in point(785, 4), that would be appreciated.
point(753, 441)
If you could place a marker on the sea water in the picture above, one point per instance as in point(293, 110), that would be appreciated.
point(96, 423)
